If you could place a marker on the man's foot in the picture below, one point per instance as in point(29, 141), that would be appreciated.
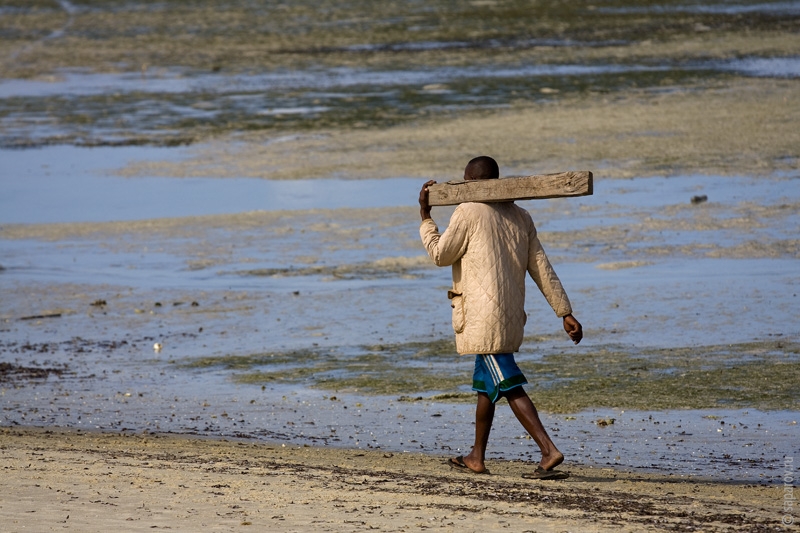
point(460, 464)
point(551, 461)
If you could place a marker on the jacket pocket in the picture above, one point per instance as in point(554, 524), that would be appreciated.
point(457, 303)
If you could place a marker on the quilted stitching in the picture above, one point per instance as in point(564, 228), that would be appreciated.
point(490, 247)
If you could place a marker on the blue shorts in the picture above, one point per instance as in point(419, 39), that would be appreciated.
point(496, 373)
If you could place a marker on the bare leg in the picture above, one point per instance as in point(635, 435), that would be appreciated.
point(484, 415)
point(526, 413)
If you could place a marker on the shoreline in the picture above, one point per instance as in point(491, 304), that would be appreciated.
point(93, 481)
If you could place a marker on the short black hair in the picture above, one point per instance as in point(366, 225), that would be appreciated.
point(482, 168)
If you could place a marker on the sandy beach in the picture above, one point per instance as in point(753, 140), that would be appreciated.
point(69, 480)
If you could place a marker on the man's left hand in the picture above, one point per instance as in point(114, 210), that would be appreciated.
point(573, 328)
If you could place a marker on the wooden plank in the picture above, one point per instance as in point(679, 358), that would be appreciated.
point(560, 185)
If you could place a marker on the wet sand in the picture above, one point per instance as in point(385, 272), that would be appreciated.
point(84, 481)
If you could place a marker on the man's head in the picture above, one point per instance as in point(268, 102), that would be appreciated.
point(482, 168)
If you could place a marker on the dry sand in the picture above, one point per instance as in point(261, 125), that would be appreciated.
point(69, 480)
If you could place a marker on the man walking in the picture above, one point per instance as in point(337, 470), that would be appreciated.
point(491, 247)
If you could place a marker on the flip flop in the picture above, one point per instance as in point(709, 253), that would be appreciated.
point(541, 473)
point(458, 463)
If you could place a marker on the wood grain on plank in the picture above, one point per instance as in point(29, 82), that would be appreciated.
point(560, 185)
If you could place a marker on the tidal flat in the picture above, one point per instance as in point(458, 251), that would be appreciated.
point(331, 327)
point(236, 183)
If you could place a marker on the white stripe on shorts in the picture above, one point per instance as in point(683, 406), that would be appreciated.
point(494, 368)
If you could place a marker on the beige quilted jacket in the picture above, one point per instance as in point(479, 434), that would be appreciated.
point(490, 247)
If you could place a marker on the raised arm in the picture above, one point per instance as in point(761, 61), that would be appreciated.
point(444, 248)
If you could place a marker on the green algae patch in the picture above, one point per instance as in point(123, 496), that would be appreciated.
point(750, 375)
point(360, 375)
point(381, 268)
point(765, 386)
point(415, 367)
point(443, 349)
point(759, 375)
point(392, 381)
point(240, 362)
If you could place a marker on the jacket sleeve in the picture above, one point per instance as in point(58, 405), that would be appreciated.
point(448, 247)
point(545, 277)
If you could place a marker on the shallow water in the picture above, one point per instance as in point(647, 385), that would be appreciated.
point(780, 8)
point(38, 191)
point(171, 107)
point(49, 185)
point(635, 251)
point(338, 80)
